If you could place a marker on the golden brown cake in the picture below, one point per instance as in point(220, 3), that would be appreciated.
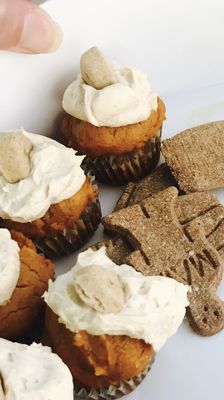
point(97, 361)
point(25, 305)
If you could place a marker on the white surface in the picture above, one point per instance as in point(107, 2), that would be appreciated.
point(179, 44)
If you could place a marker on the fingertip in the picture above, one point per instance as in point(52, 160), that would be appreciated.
point(40, 33)
point(27, 28)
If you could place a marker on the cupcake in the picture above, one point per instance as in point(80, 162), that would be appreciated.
point(32, 373)
point(24, 276)
point(45, 194)
point(114, 118)
point(106, 322)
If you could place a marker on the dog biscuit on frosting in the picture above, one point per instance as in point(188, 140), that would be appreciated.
point(95, 69)
point(15, 151)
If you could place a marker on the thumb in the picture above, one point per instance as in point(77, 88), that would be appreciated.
point(27, 28)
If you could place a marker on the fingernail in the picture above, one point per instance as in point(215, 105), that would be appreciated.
point(40, 33)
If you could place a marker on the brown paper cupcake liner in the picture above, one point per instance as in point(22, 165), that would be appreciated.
point(113, 392)
point(73, 237)
point(132, 166)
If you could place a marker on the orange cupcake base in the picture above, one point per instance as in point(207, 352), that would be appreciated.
point(112, 392)
point(103, 366)
point(21, 316)
point(132, 166)
point(72, 238)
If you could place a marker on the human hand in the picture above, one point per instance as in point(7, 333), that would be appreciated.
point(26, 28)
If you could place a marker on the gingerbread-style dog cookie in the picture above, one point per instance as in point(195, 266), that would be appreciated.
point(202, 205)
point(159, 245)
point(195, 157)
point(160, 179)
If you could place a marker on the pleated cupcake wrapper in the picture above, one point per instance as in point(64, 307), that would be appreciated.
point(132, 166)
point(113, 392)
point(74, 237)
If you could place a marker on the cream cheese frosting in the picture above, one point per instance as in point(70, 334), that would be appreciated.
point(55, 175)
point(9, 266)
point(154, 306)
point(128, 101)
point(33, 373)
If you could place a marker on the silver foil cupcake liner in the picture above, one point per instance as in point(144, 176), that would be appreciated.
point(72, 238)
point(132, 166)
point(113, 392)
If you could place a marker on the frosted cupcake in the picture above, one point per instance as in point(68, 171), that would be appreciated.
point(32, 373)
point(113, 116)
point(106, 321)
point(45, 194)
point(24, 276)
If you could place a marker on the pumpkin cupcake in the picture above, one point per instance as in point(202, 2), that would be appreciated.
point(32, 373)
point(24, 276)
point(114, 118)
point(106, 322)
point(45, 194)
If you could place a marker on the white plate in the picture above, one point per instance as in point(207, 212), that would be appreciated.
point(165, 41)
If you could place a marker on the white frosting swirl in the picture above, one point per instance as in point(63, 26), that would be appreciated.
point(154, 305)
point(128, 101)
point(55, 176)
point(9, 266)
point(33, 373)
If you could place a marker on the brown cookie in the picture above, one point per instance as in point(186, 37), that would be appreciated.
point(195, 157)
point(159, 246)
point(160, 179)
point(202, 205)
point(117, 248)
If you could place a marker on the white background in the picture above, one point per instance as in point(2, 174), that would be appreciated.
point(180, 45)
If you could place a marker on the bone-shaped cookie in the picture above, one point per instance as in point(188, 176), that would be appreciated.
point(162, 248)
